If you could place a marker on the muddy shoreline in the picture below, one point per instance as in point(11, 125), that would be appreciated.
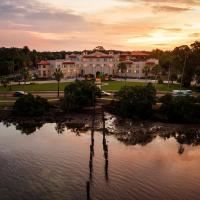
point(126, 130)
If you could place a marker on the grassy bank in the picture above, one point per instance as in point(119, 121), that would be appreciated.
point(34, 87)
point(106, 86)
point(116, 85)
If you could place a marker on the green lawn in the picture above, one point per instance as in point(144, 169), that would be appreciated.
point(35, 87)
point(116, 85)
point(107, 86)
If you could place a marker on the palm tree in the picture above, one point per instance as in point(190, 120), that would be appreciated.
point(25, 74)
point(146, 71)
point(58, 74)
point(122, 67)
point(156, 70)
point(4, 81)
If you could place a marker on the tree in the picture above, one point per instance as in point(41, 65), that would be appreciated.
point(197, 75)
point(79, 94)
point(58, 74)
point(28, 106)
point(173, 77)
point(4, 81)
point(156, 71)
point(180, 109)
point(135, 102)
point(122, 67)
point(25, 74)
point(183, 62)
point(146, 70)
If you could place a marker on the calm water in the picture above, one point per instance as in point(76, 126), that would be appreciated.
point(47, 165)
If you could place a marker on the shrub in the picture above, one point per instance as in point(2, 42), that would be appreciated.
point(181, 109)
point(29, 106)
point(80, 94)
point(135, 102)
point(160, 81)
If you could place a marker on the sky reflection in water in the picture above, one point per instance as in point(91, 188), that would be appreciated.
point(53, 162)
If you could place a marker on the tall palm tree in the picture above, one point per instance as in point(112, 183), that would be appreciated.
point(146, 71)
point(25, 74)
point(156, 71)
point(58, 74)
point(122, 67)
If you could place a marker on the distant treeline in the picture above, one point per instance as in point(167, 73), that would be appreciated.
point(182, 59)
point(14, 59)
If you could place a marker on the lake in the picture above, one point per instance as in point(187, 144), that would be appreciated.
point(54, 162)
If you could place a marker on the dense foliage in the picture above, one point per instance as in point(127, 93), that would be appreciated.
point(182, 61)
point(135, 102)
point(29, 106)
point(79, 94)
point(12, 60)
point(180, 109)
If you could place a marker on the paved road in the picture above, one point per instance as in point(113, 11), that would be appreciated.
point(73, 79)
point(42, 94)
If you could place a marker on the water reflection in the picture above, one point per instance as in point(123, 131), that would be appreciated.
point(48, 166)
point(105, 146)
point(143, 133)
point(28, 128)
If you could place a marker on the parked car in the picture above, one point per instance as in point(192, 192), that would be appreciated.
point(181, 93)
point(19, 93)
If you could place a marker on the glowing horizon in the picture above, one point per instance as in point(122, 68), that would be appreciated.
point(84, 24)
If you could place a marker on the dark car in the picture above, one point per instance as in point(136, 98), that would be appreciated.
point(19, 93)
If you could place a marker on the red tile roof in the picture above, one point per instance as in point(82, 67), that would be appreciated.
point(128, 62)
point(150, 63)
point(43, 62)
point(101, 56)
point(139, 53)
point(72, 56)
point(68, 62)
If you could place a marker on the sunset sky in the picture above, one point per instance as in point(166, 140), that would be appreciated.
point(84, 24)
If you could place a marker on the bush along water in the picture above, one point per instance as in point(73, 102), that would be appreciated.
point(80, 94)
point(135, 102)
point(30, 106)
point(180, 109)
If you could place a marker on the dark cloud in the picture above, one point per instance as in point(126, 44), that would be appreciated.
point(186, 2)
point(35, 16)
point(170, 9)
point(170, 29)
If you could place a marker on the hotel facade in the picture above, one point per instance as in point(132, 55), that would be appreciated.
point(79, 65)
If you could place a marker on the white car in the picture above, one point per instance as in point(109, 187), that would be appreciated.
point(181, 93)
point(103, 93)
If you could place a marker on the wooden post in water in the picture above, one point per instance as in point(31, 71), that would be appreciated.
point(105, 146)
point(88, 190)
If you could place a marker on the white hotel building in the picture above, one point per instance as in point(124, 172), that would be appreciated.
point(94, 63)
